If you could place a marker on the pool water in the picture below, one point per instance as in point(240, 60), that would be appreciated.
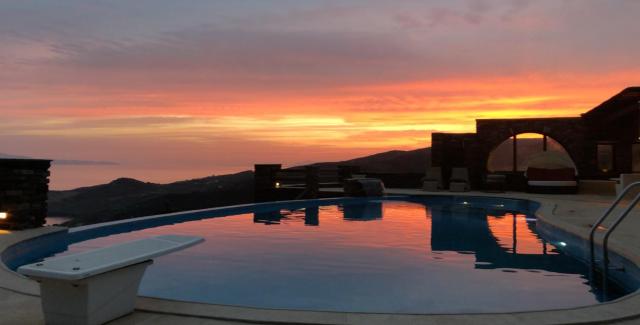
point(367, 256)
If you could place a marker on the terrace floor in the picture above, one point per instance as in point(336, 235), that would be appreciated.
point(20, 302)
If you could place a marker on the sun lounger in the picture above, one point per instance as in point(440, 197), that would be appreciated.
point(97, 286)
point(433, 179)
point(459, 181)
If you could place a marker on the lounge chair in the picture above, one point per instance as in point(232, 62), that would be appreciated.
point(459, 181)
point(432, 181)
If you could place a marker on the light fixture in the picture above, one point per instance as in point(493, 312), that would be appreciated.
point(277, 184)
point(4, 215)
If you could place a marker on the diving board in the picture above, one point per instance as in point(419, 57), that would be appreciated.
point(97, 286)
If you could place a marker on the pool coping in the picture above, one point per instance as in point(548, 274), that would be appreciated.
point(625, 308)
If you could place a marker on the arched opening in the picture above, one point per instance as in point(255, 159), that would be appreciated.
point(514, 154)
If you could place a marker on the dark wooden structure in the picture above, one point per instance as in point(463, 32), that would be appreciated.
point(272, 183)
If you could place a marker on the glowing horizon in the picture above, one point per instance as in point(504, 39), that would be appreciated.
point(211, 87)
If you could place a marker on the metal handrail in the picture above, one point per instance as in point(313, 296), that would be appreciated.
point(604, 216)
point(605, 240)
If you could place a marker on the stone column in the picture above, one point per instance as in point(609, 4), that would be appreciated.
point(24, 185)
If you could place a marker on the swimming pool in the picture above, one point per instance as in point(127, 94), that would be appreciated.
point(397, 255)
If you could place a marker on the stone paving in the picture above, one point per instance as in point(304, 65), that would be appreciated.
point(20, 303)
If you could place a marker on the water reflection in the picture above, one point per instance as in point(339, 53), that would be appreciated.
point(311, 216)
point(268, 218)
point(498, 239)
point(363, 211)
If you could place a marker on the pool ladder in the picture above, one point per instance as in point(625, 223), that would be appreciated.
point(612, 227)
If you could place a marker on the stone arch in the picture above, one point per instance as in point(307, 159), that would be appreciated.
point(569, 132)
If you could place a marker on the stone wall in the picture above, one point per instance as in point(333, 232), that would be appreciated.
point(570, 132)
point(472, 150)
point(24, 185)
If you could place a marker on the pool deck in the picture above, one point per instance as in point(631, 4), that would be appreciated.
point(20, 302)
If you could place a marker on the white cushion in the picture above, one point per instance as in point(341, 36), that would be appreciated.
point(553, 183)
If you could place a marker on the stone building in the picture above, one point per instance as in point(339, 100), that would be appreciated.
point(603, 143)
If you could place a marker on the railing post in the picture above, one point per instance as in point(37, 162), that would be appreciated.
point(347, 171)
point(312, 181)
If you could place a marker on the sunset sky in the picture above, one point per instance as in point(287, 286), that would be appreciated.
point(168, 90)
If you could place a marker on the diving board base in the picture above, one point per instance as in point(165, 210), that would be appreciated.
point(93, 300)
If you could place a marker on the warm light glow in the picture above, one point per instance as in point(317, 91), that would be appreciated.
point(277, 184)
point(3, 215)
point(530, 136)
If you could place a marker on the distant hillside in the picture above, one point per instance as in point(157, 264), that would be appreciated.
point(395, 161)
point(127, 198)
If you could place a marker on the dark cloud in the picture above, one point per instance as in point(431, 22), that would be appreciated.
point(106, 48)
point(240, 59)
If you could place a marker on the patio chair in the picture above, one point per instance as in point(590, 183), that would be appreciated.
point(459, 181)
point(432, 181)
